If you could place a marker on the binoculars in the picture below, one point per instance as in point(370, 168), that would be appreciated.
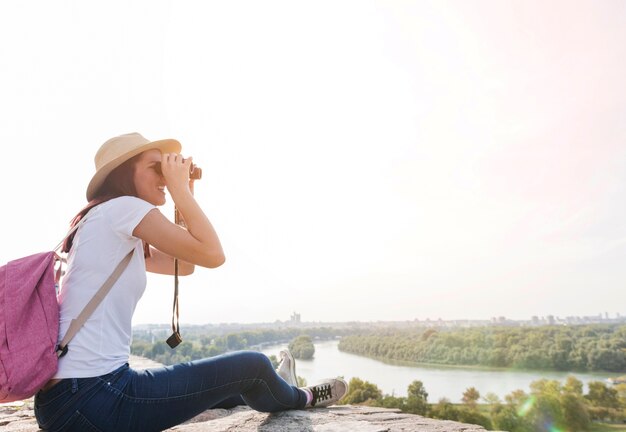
point(195, 172)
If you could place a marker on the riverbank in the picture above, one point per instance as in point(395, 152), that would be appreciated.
point(609, 375)
point(440, 381)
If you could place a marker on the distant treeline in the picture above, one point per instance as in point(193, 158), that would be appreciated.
point(566, 348)
point(197, 345)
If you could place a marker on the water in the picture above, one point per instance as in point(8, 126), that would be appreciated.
point(439, 381)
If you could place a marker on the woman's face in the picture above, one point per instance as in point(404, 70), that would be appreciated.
point(149, 182)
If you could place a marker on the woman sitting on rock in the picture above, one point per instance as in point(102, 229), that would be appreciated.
point(94, 389)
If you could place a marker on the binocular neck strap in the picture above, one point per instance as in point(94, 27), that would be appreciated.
point(175, 338)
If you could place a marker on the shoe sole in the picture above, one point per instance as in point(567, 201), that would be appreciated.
point(292, 367)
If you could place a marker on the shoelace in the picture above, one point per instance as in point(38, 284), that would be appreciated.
point(321, 393)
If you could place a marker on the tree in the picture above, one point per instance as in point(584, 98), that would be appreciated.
point(573, 385)
point(444, 410)
point(274, 360)
point(416, 389)
point(158, 348)
point(575, 413)
point(362, 392)
point(607, 360)
point(473, 416)
point(491, 398)
point(546, 411)
point(302, 347)
point(389, 401)
point(211, 350)
point(470, 397)
point(185, 348)
point(417, 400)
point(235, 341)
point(602, 396)
point(505, 418)
point(516, 398)
point(621, 394)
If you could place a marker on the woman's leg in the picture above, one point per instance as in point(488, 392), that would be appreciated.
point(156, 399)
point(230, 403)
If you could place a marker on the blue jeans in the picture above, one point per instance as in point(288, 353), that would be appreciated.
point(157, 399)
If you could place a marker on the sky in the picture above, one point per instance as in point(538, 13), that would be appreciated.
point(361, 160)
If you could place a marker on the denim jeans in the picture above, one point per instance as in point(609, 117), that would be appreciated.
point(157, 399)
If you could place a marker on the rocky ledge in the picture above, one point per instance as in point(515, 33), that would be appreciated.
point(340, 418)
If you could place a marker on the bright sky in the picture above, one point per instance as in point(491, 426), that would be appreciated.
point(362, 160)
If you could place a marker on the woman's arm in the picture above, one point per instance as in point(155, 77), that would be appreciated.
point(199, 243)
point(162, 263)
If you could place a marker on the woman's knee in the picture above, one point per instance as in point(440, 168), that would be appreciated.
point(254, 361)
point(255, 358)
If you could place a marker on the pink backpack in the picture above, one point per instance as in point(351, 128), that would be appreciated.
point(29, 325)
point(29, 321)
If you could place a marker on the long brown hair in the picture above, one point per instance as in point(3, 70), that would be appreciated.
point(120, 182)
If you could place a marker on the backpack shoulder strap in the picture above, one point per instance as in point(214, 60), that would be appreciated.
point(74, 228)
point(79, 321)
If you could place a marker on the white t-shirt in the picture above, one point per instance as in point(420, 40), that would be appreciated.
point(103, 343)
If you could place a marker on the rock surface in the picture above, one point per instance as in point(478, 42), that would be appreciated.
point(342, 418)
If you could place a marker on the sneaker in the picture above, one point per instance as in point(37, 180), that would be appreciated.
point(287, 368)
point(327, 393)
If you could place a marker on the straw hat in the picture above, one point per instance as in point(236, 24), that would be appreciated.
point(118, 150)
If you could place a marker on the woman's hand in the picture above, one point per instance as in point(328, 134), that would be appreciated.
point(176, 170)
point(198, 244)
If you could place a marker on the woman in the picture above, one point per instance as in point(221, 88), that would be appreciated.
point(94, 389)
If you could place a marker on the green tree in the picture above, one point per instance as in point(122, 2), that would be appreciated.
point(302, 347)
point(575, 413)
point(598, 347)
point(362, 392)
point(473, 416)
point(417, 400)
point(491, 399)
point(274, 360)
point(621, 394)
point(158, 348)
point(389, 401)
point(212, 350)
point(573, 385)
point(444, 410)
point(574, 406)
point(505, 418)
point(235, 341)
point(470, 397)
point(185, 349)
point(600, 395)
point(546, 411)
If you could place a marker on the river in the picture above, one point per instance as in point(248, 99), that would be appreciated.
point(440, 381)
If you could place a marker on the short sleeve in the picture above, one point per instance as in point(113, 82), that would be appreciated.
point(125, 213)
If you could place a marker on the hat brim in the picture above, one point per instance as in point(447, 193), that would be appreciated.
point(166, 146)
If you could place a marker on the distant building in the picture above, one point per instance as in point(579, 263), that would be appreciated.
point(295, 318)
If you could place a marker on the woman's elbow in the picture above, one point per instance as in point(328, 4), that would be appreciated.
point(188, 270)
point(214, 260)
